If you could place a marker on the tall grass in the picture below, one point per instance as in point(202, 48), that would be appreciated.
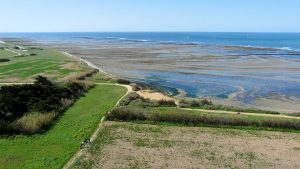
point(33, 122)
point(192, 119)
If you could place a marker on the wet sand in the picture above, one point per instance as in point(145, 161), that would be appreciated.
point(232, 75)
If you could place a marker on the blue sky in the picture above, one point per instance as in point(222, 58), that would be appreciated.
point(149, 15)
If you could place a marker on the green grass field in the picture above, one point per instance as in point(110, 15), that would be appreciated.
point(48, 62)
point(6, 54)
point(53, 148)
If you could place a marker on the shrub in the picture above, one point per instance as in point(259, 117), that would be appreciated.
point(126, 114)
point(123, 81)
point(194, 103)
point(17, 47)
point(19, 56)
point(135, 87)
point(167, 103)
point(86, 75)
point(128, 98)
point(43, 96)
point(4, 60)
point(6, 127)
point(142, 102)
point(33, 54)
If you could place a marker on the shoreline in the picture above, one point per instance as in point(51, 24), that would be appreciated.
point(152, 93)
point(157, 93)
point(86, 62)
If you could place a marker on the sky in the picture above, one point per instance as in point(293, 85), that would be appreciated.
point(149, 15)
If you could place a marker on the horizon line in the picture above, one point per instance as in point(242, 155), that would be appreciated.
point(153, 32)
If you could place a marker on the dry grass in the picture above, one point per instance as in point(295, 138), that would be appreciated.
point(33, 122)
point(130, 145)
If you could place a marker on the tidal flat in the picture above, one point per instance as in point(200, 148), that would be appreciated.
point(232, 76)
point(238, 75)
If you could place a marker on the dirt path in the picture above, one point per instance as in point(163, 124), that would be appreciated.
point(95, 133)
point(8, 84)
point(250, 114)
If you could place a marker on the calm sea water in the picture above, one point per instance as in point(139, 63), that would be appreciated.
point(278, 53)
point(289, 41)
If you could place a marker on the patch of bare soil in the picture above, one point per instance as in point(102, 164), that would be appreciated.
point(149, 146)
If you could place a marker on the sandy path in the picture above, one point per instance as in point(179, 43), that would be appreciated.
point(8, 84)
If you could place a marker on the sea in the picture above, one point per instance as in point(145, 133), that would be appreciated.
point(241, 67)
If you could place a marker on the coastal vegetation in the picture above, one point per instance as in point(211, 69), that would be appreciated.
point(193, 113)
point(30, 108)
point(4, 60)
point(54, 148)
point(198, 118)
point(64, 100)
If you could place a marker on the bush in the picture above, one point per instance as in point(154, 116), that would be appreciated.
point(194, 103)
point(43, 96)
point(135, 87)
point(6, 127)
point(86, 75)
point(128, 98)
point(142, 102)
point(19, 56)
point(167, 103)
point(4, 60)
point(123, 81)
point(126, 114)
point(136, 100)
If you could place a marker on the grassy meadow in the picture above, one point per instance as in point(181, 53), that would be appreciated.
point(53, 148)
point(25, 64)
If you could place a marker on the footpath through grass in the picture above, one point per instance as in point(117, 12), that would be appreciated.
point(54, 148)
